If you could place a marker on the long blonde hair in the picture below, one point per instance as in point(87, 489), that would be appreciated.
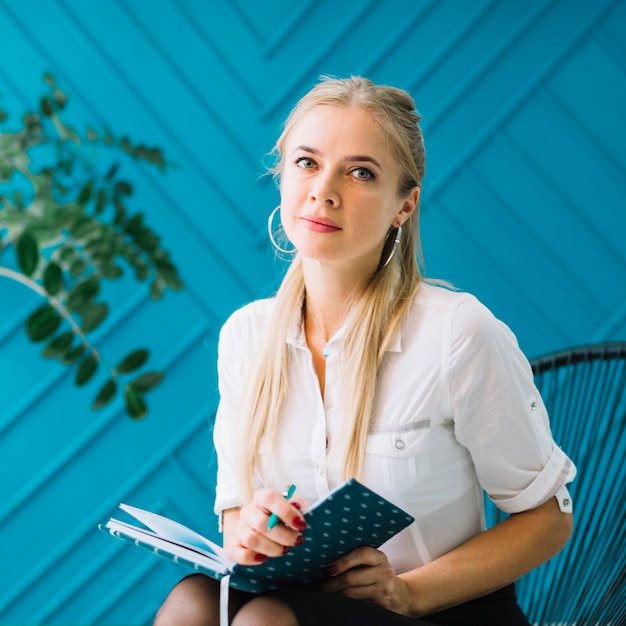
point(375, 315)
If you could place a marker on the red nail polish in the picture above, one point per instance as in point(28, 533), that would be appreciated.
point(300, 540)
point(260, 558)
point(296, 505)
point(298, 523)
point(285, 550)
point(331, 570)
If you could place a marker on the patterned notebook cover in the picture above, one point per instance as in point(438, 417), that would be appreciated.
point(350, 516)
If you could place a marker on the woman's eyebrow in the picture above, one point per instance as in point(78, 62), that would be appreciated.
point(357, 158)
point(306, 149)
point(361, 158)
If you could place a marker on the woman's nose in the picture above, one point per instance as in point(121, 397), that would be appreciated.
point(324, 191)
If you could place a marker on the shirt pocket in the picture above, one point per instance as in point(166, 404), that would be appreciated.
point(396, 455)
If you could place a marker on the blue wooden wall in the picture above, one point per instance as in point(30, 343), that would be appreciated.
point(524, 205)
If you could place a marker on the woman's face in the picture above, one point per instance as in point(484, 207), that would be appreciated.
point(339, 187)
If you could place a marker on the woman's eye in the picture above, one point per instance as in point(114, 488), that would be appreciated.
point(305, 163)
point(363, 173)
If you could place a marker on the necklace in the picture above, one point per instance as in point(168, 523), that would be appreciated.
point(325, 351)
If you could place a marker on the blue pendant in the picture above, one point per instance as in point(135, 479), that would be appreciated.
point(326, 351)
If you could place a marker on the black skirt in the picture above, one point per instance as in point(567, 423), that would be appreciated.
point(314, 608)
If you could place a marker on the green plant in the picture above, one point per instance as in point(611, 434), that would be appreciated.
point(65, 227)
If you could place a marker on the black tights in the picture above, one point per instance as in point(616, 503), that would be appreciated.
point(195, 602)
point(313, 608)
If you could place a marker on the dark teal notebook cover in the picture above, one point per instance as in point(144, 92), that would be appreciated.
point(350, 516)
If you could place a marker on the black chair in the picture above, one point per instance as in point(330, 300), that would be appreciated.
point(584, 390)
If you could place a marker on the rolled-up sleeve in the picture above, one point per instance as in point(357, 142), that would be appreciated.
point(500, 416)
point(225, 430)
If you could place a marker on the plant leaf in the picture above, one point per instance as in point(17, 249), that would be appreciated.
point(60, 98)
point(101, 201)
point(85, 193)
point(120, 212)
point(135, 404)
point(86, 370)
point(42, 323)
point(154, 155)
point(58, 345)
point(141, 271)
point(110, 271)
point(77, 267)
point(27, 253)
point(123, 188)
point(147, 381)
point(105, 395)
point(82, 293)
point(133, 361)
point(146, 240)
point(156, 289)
point(112, 170)
point(167, 272)
point(135, 224)
point(67, 253)
point(6, 171)
point(72, 355)
point(83, 227)
point(53, 278)
point(93, 315)
point(45, 106)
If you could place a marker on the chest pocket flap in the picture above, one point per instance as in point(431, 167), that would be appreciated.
point(397, 454)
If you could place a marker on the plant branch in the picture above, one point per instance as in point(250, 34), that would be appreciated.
point(55, 303)
point(24, 280)
point(65, 218)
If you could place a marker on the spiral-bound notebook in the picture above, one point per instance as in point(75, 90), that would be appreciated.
point(350, 516)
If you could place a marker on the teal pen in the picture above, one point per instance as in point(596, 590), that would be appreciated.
point(273, 520)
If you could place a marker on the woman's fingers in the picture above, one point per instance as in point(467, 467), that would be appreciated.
point(358, 562)
point(255, 542)
point(365, 574)
point(289, 512)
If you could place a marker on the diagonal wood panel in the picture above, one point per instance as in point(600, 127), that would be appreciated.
point(523, 205)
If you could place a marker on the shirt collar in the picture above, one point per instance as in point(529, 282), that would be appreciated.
point(297, 338)
point(295, 332)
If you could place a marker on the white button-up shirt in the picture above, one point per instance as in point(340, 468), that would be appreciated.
point(457, 413)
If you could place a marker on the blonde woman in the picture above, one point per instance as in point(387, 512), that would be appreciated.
point(358, 367)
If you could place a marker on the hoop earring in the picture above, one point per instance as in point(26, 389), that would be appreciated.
point(270, 219)
point(396, 243)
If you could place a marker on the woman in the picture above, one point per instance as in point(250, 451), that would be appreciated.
point(359, 368)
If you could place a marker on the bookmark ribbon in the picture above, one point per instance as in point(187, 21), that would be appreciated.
point(224, 594)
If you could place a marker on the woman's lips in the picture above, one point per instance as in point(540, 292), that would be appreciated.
point(320, 224)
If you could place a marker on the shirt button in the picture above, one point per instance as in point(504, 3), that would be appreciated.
point(399, 444)
point(533, 406)
point(319, 469)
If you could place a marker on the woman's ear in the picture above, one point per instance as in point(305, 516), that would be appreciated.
point(411, 203)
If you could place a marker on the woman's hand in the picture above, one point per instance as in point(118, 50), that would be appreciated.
point(365, 574)
point(246, 536)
